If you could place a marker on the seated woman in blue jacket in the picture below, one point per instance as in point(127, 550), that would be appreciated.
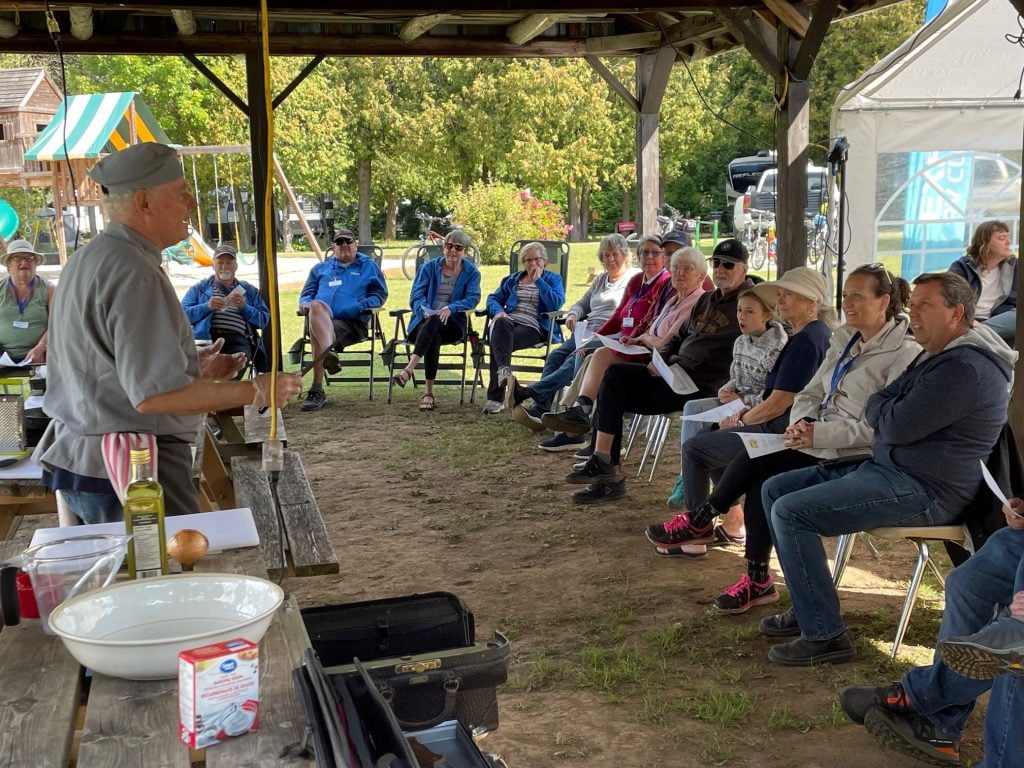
point(990, 268)
point(444, 288)
point(517, 316)
point(222, 307)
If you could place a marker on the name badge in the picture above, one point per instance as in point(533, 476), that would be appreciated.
point(20, 324)
point(334, 283)
point(627, 322)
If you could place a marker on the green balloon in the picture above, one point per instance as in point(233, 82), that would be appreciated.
point(8, 220)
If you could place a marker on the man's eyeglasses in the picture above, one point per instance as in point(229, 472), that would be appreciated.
point(455, 247)
point(344, 241)
point(716, 263)
point(650, 254)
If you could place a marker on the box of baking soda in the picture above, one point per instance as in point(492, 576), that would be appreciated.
point(218, 692)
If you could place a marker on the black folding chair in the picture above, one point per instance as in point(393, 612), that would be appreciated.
point(401, 346)
point(527, 360)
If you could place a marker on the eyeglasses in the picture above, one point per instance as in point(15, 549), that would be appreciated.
point(716, 263)
point(878, 269)
point(455, 247)
point(650, 254)
point(23, 259)
point(344, 241)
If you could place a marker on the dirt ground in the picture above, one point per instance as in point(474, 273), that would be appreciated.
point(617, 657)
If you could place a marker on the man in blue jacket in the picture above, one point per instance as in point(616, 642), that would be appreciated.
point(934, 426)
point(337, 297)
point(222, 307)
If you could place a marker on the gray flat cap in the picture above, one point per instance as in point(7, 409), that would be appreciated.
point(137, 167)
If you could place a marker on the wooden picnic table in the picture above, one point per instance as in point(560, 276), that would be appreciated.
point(52, 714)
point(23, 496)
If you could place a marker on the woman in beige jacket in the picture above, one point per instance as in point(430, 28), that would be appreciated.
point(868, 352)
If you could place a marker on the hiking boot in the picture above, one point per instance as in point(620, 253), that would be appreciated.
point(745, 594)
point(492, 407)
point(561, 442)
point(676, 500)
point(679, 530)
point(780, 625)
point(992, 651)
point(522, 416)
point(810, 653)
point(572, 420)
point(912, 735)
point(595, 470)
point(858, 699)
point(315, 399)
point(597, 493)
point(585, 452)
point(331, 363)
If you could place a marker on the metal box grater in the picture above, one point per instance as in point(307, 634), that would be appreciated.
point(12, 417)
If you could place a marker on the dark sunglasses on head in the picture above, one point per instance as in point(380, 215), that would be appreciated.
point(344, 241)
point(716, 263)
point(878, 269)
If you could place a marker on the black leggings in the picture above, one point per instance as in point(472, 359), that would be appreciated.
point(428, 337)
point(630, 388)
point(507, 336)
point(745, 475)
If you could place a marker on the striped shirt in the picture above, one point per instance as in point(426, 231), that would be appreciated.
point(227, 321)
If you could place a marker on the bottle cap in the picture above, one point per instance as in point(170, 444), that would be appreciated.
point(140, 456)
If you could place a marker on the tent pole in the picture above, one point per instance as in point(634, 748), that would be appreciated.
point(1016, 415)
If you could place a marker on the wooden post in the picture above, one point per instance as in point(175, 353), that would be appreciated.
point(652, 73)
point(792, 138)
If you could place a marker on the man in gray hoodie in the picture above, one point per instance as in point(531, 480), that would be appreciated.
point(934, 425)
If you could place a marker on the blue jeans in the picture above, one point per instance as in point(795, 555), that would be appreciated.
point(1005, 324)
point(806, 504)
point(690, 428)
point(94, 507)
point(974, 591)
point(559, 369)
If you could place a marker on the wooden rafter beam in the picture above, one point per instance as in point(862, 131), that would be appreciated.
point(616, 43)
point(609, 77)
point(360, 8)
point(657, 82)
point(752, 41)
point(693, 30)
point(824, 12)
point(419, 25)
point(525, 30)
point(789, 16)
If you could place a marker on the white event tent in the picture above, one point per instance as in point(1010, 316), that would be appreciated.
point(935, 139)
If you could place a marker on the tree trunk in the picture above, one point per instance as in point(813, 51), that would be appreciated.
point(627, 199)
point(391, 215)
point(585, 214)
point(572, 197)
point(363, 186)
point(467, 182)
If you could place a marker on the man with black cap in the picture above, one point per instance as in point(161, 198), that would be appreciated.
point(121, 353)
point(223, 307)
point(338, 296)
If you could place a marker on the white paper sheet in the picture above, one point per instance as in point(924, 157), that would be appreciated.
point(758, 444)
point(580, 334)
point(7, 362)
point(618, 346)
point(26, 469)
point(678, 379)
point(35, 401)
point(715, 415)
point(225, 529)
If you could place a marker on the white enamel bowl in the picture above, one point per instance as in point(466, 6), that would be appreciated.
point(136, 629)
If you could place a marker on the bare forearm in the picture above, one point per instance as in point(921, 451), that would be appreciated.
point(200, 396)
point(776, 405)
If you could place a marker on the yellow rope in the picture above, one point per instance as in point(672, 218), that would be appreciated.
point(231, 186)
point(266, 230)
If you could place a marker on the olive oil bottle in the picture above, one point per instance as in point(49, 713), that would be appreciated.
point(144, 520)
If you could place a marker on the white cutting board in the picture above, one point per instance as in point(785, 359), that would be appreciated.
point(225, 529)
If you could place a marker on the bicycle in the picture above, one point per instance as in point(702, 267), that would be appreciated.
point(427, 236)
point(758, 234)
point(673, 221)
point(817, 238)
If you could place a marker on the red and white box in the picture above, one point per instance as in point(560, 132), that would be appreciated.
point(218, 692)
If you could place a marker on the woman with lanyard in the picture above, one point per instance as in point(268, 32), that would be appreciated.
point(645, 295)
point(24, 305)
point(868, 352)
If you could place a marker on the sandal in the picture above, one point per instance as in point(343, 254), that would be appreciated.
point(723, 539)
point(401, 378)
point(427, 402)
point(665, 550)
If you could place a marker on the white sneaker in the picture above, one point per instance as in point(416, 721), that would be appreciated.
point(492, 407)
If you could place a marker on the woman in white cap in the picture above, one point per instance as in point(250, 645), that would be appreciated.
point(24, 305)
point(868, 352)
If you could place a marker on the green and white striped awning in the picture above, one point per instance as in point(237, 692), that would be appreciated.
point(96, 124)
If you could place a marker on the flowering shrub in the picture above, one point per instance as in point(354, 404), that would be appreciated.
point(496, 215)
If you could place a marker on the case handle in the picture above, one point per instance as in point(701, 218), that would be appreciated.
point(451, 697)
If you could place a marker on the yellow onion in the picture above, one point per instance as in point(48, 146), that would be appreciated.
point(188, 546)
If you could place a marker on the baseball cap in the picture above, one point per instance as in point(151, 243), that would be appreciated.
point(680, 236)
point(730, 250)
point(226, 250)
point(344, 234)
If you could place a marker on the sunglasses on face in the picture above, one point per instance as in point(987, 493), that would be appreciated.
point(344, 241)
point(455, 247)
point(716, 263)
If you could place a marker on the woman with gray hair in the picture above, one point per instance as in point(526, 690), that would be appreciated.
point(25, 301)
point(444, 288)
point(518, 312)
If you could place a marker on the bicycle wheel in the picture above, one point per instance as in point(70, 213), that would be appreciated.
point(816, 248)
point(409, 261)
point(759, 254)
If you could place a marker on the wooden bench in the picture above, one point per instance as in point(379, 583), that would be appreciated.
point(309, 550)
point(133, 722)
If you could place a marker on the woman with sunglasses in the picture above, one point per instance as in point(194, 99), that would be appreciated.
point(826, 422)
point(24, 305)
point(990, 268)
point(444, 289)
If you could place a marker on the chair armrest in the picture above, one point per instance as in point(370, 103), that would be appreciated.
point(480, 312)
point(554, 315)
point(375, 310)
point(399, 312)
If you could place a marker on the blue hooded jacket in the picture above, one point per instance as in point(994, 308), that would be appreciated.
point(551, 297)
point(465, 296)
point(197, 306)
point(350, 290)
